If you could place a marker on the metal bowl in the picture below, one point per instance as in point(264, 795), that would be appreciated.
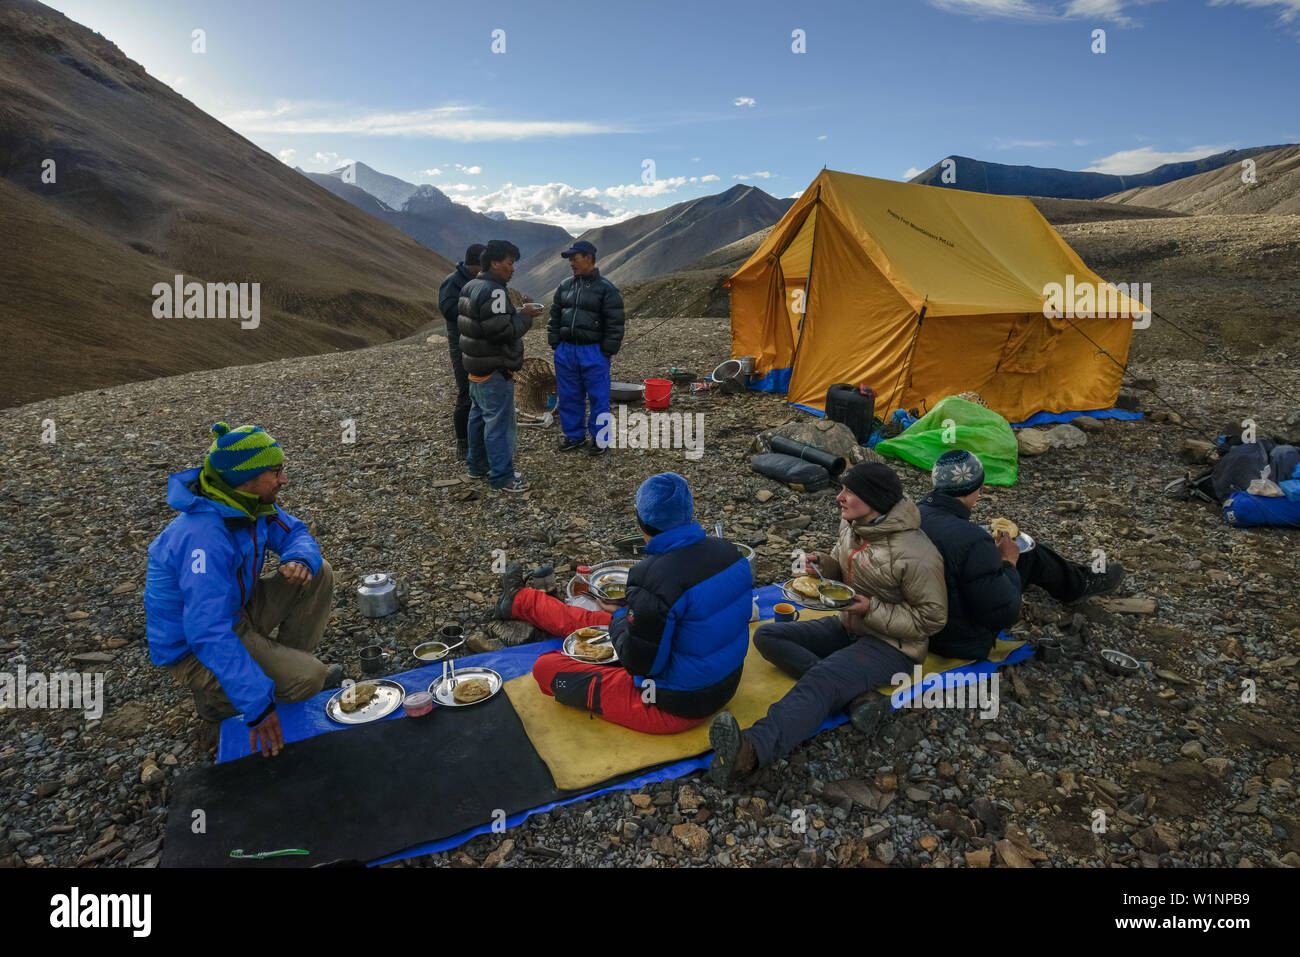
point(1118, 663)
point(435, 650)
point(831, 602)
point(626, 391)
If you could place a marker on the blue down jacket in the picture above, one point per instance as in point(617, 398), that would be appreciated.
point(686, 625)
point(202, 571)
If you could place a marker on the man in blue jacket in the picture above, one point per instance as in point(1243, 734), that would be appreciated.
point(209, 610)
point(683, 637)
point(585, 330)
point(986, 576)
point(449, 305)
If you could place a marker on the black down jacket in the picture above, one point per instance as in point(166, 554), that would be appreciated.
point(491, 331)
point(587, 310)
point(983, 590)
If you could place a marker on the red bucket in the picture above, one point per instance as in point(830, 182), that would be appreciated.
point(658, 392)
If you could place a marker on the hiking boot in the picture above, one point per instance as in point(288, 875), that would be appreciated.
point(477, 644)
point(476, 476)
point(868, 712)
point(333, 677)
point(209, 736)
point(511, 633)
point(516, 485)
point(595, 450)
point(733, 755)
point(1102, 583)
point(512, 579)
point(567, 444)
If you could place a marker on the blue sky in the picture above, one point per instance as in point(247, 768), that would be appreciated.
point(712, 93)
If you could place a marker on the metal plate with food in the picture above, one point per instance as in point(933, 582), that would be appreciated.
point(1023, 541)
point(609, 585)
point(818, 594)
point(462, 687)
point(592, 645)
point(365, 701)
point(578, 584)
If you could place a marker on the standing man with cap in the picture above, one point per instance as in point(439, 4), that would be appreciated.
point(449, 304)
point(585, 330)
point(209, 610)
point(843, 658)
point(985, 576)
point(681, 640)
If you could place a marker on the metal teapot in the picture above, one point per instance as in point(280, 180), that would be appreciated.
point(380, 594)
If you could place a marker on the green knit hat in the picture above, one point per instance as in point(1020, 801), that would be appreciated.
point(238, 455)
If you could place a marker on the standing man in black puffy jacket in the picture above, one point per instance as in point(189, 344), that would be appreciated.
point(585, 330)
point(449, 304)
point(985, 576)
point(492, 348)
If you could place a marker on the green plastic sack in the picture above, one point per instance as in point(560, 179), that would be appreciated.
point(957, 424)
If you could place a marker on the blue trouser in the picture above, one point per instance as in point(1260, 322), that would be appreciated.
point(832, 667)
point(492, 429)
point(581, 376)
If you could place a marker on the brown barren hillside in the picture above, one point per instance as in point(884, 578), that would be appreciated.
point(1276, 188)
point(147, 186)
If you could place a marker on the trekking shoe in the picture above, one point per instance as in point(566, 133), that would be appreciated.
point(512, 579)
point(567, 444)
point(1102, 583)
point(733, 756)
point(481, 643)
point(517, 484)
point(477, 476)
point(868, 712)
point(595, 450)
point(511, 633)
point(333, 677)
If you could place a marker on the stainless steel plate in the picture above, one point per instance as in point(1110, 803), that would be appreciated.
point(815, 604)
point(573, 639)
point(444, 689)
point(1023, 541)
point(596, 570)
point(388, 697)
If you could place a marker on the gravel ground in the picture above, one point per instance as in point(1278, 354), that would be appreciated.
point(1185, 772)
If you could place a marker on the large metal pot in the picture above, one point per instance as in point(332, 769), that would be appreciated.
point(380, 594)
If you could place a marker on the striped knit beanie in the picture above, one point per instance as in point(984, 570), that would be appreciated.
point(238, 455)
point(957, 473)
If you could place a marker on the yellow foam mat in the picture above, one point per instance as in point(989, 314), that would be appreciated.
point(581, 750)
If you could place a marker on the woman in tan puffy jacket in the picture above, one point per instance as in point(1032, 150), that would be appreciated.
point(840, 659)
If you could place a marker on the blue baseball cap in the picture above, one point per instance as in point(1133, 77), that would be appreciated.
point(581, 246)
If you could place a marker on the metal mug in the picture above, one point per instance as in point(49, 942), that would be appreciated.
point(373, 658)
point(451, 635)
point(784, 611)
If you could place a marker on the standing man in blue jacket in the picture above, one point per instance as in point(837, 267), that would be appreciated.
point(449, 304)
point(210, 611)
point(585, 330)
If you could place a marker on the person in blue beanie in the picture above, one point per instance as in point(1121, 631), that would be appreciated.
point(683, 637)
point(210, 611)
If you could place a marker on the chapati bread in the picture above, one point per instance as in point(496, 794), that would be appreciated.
point(806, 586)
point(1003, 525)
point(357, 697)
point(471, 690)
point(599, 652)
point(589, 633)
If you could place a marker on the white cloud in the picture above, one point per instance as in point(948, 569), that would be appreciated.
point(459, 188)
point(1025, 144)
point(695, 159)
point(556, 203)
point(759, 174)
point(1128, 162)
point(990, 8)
point(709, 178)
point(822, 137)
point(643, 190)
point(329, 161)
point(743, 101)
point(431, 172)
point(1110, 11)
point(449, 122)
point(1079, 142)
point(469, 170)
point(694, 179)
point(1287, 14)
point(795, 195)
point(912, 171)
point(286, 155)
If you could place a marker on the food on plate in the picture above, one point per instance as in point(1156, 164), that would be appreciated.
point(614, 591)
point(471, 690)
point(835, 592)
point(587, 634)
point(806, 586)
point(586, 649)
point(357, 697)
point(1003, 525)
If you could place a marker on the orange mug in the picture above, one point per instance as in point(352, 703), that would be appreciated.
point(785, 611)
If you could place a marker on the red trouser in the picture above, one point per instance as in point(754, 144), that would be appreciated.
point(606, 690)
point(552, 615)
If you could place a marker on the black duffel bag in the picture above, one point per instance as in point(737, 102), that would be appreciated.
point(800, 475)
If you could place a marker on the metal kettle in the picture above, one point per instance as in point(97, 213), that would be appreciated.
point(380, 594)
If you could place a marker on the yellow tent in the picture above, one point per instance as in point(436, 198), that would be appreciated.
point(922, 292)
